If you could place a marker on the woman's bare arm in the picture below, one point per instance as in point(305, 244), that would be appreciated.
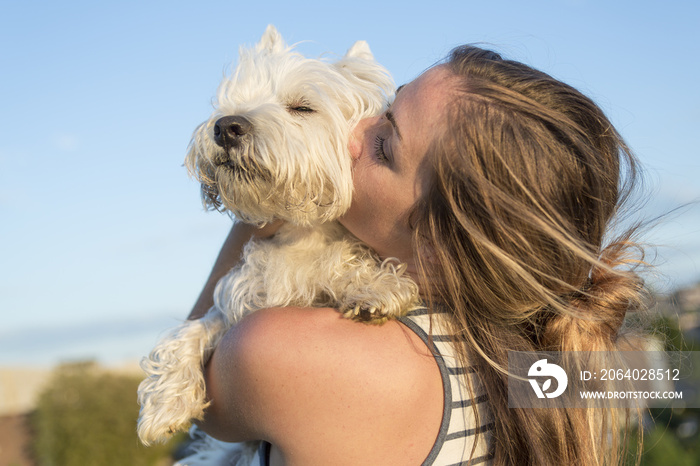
point(229, 257)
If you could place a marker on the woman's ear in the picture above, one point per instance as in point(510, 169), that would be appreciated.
point(427, 256)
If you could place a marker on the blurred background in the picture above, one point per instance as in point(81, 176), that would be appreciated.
point(104, 242)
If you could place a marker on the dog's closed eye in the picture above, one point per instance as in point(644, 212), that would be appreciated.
point(300, 107)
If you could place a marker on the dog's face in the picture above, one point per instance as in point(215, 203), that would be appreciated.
point(276, 144)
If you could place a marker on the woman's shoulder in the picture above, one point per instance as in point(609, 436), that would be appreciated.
point(316, 375)
point(324, 327)
point(329, 350)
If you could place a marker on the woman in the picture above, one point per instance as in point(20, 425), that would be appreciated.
point(496, 184)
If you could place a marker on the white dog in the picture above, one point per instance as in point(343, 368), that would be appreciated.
point(276, 148)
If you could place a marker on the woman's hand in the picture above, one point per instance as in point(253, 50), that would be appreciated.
point(268, 230)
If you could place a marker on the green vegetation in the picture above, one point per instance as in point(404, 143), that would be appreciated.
point(672, 436)
point(88, 417)
point(672, 439)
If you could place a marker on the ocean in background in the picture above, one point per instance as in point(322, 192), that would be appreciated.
point(108, 342)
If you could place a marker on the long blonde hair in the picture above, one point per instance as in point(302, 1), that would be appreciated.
point(528, 178)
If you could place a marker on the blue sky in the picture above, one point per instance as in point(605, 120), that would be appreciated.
point(103, 239)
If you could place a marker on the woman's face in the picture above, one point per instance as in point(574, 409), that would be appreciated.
point(391, 166)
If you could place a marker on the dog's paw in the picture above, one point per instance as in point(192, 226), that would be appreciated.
point(364, 312)
point(159, 432)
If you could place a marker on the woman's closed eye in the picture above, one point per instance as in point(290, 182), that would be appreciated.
point(379, 151)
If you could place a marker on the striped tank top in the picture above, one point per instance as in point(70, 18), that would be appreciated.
point(458, 430)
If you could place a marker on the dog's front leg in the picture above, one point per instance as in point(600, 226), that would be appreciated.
point(174, 392)
point(372, 291)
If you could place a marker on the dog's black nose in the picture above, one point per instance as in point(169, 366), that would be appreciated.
point(228, 129)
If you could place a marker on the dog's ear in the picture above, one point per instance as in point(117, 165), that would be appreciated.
point(360, 49)
point(371, 83)
point(271, 41)
point(359, 64)
point(357, 58)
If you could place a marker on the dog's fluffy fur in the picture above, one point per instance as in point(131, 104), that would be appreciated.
point(288, 159)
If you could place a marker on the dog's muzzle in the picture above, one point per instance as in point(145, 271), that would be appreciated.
point(229, 130)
